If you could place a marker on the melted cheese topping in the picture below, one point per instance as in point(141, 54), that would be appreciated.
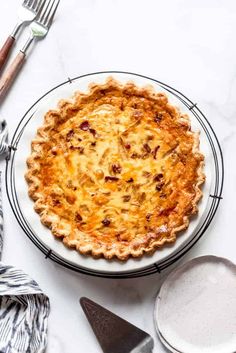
point(119, 168)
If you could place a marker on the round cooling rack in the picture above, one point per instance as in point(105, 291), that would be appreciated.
point(41, 236)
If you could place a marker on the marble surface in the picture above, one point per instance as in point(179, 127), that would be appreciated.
point(187, 44)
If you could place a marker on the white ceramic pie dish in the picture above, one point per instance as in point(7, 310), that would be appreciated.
point(195, 310)
point(44, 234)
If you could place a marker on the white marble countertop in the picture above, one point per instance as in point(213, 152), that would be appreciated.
point(187, 44)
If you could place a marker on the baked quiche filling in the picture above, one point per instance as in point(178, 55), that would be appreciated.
point(115, 172)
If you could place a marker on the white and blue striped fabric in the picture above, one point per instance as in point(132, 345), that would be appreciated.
point(4, 147)
point(24, 309)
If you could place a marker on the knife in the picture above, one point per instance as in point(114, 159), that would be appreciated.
point(115, 334)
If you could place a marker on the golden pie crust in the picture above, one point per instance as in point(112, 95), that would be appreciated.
point(116, 172)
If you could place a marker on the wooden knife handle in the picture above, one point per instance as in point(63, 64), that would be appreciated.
point(10, 74)
point(5, 50)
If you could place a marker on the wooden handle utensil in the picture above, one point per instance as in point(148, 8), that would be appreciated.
point(10, 74)
point(5, 50)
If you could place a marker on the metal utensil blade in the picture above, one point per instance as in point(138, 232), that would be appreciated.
point(146, 346)
point(115, 334)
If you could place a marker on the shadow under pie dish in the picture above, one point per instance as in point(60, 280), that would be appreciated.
point(116, 171)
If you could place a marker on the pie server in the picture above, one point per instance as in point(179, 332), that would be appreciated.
point(115, 334)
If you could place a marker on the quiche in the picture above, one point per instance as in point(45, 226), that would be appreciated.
point(116, 172)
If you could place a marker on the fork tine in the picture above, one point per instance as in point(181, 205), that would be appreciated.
point(39, 4)
point(30, 4)
point(34, 4)
point(49, 13)
point(26, 2)
point(50, 19)
point(43, 10)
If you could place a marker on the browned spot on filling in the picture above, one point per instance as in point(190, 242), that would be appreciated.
point(126, 198)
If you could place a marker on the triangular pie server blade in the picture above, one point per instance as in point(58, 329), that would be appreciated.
point(115, 334)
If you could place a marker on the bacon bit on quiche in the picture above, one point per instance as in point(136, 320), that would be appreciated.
point(158, 117)
point(130, 180)
point(56, 202)
point(106, 222)
point(116, 168)
point(77, 148)
point(163, 196)
point(158, 177)
point(135, 155)
point(111, 178)
point(84, 126)
point(93, 132)
point(155, 152)
point(78, 217)
point(159, 186)
point(147, 148)
point(54, 150)
point(69, 135)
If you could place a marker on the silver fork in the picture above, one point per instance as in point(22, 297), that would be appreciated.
point(26, 13)
point(38, 30)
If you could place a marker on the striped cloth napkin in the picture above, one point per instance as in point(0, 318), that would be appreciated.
point(24, 309)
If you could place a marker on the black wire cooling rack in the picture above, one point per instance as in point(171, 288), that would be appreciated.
point(215, 197)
